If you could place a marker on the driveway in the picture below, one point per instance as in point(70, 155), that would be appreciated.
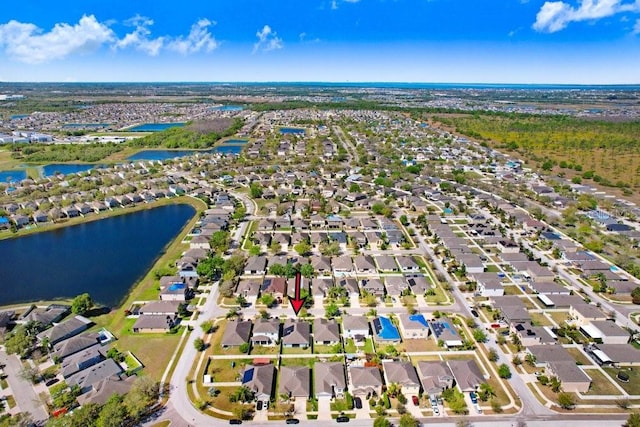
point(26, 397)
point(300, 407)
point(363, 413)
point(324, 408)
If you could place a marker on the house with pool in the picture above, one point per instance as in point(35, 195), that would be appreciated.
point(384, 331)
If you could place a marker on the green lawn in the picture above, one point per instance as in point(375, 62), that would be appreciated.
point(224, 370)
point(369, 347)
point(633, 386)
point(601, 384)
point(327, 349)
point(297, 361)
point(296, 350)
point(350, 346)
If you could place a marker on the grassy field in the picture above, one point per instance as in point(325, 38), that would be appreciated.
point(572, 145)
point(633, 386)
point(601, 384)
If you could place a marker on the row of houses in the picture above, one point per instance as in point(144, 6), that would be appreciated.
point(332, 380)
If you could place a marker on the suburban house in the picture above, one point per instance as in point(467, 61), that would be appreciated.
point(277, 286)
point(413, 326)
point(295, 381)
point(373, 286)
point(434, 376)
point(444, 330)
point(355, 327)
point(618, 354)
point(466, 373)
point(86, 378)
point(153, 323)
point(266, 332)
point(256, 265)
point(407, 264)
point(249, 289)
point(74, 345)
point(572, 377)
point(64, 330)
point(236, 333)
point(105, 389)
point(403, 374)
point(329, 379)
point(342, 264)
point(259, 379)
point(296, 333)
point(586, 313)
point(81, 360)
point(386, 264)
point(160, 308)
point(606, 332)
point(364, 264)
point(326, 332)
point(395, 285)
point(365, 381)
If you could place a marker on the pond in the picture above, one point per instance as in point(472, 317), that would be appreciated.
point(104, 257)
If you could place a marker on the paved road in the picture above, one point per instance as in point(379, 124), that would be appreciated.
point(23, 392)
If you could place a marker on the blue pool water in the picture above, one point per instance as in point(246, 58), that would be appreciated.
point(385, 329)
point(228, 108)
point(176, 286)
point(419, 318)
point(65, 168)
point(448, 210)
point(19, 116)
point(292, 130)
point(12, 175)
point(154, 127)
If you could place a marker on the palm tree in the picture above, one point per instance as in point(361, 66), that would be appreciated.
point(486, 391)
point(555, 384)
point(530, 359)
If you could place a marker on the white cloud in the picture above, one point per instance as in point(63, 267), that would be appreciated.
point(636, 28)
point(139, 38)
point(198, 40)
point(556, 15)
point(267, 40)
point(27, 43)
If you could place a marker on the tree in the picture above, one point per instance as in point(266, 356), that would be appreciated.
point(635, 295)
point(81, 304)
point(381, 422)
point(242, 394)
point(493, 355)
point(199, 344)
point(566, 400)
point(207, 326)
point(307, 271)
point(633, 420)
point(277, 270)
point(256, 190)
point(504, 371)
point(113, 413)
point(479, 335)
point(496, 406)
point(245, 347)
point(144, 393)
point(330, 248)
point(408, 420)
point(530, 359)
point(210, 267)
point(19, 341)
point(303, 248)
point(486, 392)
point(220, 241)
point(30, 373)
point(241, 300)
point(555, 384)
point(275, 247)
point(332, 310)
point(268, 299)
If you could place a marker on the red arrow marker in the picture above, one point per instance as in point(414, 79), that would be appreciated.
point(297, 302)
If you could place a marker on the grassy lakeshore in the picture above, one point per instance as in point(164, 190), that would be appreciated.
point(153, 350)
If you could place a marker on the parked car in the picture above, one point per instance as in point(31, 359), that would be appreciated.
point(475, 313)
point(293, 421)
point(357, 402)
point(235, 421)
point(342, 419)
point(415, 400)
point(259, 405)
point(473, 397)
point(436, 411)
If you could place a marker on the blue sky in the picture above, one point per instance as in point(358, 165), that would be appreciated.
point(483, 41)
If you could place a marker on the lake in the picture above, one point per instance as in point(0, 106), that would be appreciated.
point(172, 154)
point(12, 175)
point(104, 258)
point(292, 130)
point(65, 168)
point(228, 108)
point(236, 141)
point(154, 127)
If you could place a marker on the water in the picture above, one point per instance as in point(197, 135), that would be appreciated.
point(65, 168)
point(19, 116)
point(228, 108)
point(154, 127)
point(172, 154)
point(236, 141)
point(85, 125)
point(104, 258)
point(12, 175)
point(292, 130)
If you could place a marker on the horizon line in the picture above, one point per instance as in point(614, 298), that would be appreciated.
point(317, 82)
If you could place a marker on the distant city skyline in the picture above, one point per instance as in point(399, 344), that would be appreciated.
point(453, 41)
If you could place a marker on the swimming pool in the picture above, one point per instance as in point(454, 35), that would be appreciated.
point(385, 329)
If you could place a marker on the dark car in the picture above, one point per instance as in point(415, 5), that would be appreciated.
point(259, 405)
point(293, 421)
point(235, 421)
point(357, 402)
point(475, 313)
point(415, 400)
point(342, 419)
